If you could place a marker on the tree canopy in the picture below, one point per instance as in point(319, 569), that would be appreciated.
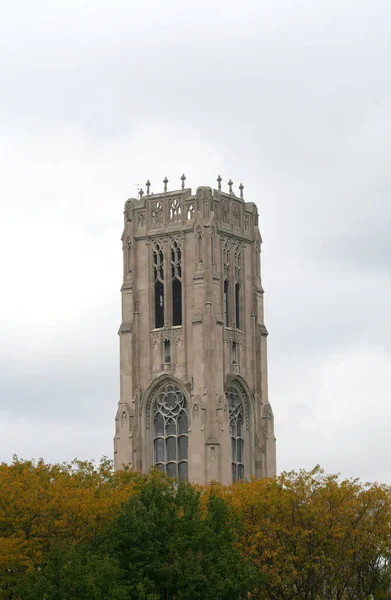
point(79, 531)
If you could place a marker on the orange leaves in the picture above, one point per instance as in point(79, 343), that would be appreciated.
point(41, 503)
point(314, 536)
point(311, 535)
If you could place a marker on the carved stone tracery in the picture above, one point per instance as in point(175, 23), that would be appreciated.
point(156, 213)
point(225, 211)
point(140, 218)
point(237, 397)
point(191, 209)
point(175, 210)
point(235, 214)
point(234, 336)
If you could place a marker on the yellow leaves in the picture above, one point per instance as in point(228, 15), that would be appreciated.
point(313, 532)
point(41, 503)
point(310, 534)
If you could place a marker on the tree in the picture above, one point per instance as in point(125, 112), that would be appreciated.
point(315, 537)
point(159, 547)
point(42, 504)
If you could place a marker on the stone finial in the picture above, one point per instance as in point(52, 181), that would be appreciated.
point(141, 193)
point(219, 182)
point(165, 181)
point(230, 183)
point(148, 185)
point(183, 179)
point(241, 187)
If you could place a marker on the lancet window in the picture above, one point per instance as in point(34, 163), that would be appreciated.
point(171, 432)
point(158, 283)
point(226, 290)
point(236, 420)
point(238, 267)
point(226, 303)
point(176, 281)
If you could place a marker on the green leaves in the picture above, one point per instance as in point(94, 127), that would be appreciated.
point(80, 532)
point(159, 547)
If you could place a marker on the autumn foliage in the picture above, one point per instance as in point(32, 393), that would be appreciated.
point(41, 504)
point(315, 537)
point(79, 531)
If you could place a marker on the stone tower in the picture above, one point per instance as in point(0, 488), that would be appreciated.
point(194, 392)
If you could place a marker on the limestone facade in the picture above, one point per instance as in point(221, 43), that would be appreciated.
point(193, 364)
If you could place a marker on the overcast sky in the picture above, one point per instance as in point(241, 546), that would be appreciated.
point(293, 98)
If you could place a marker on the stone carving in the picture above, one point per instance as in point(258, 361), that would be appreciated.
point(158, 261)
point(175, 258)
point(246, 222)
point(140, 218)
point(156, 339)
point(129, 255)
point(178, 337)
point(226, 256)
point(128, 210)
point(235, 214)
point(237, 397)
point(175, 210)
point(237, 260)
point(174, 335)
point(199, 234)
point(225, 211)
point(205, 201)
point(156, 213)
point(190, 209)
point(234, 336)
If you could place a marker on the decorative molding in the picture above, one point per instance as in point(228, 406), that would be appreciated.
point(234, 336)
point(156, 213)
point(236, 214)
point(197, 319)
point(174, 335)
point(156, 339)
point(125, 328)
point(140, 218)
point(225, 211)
point(175, 210)
point(190, 209)
point(235, 394)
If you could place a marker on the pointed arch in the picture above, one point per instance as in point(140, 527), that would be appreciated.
point(158, 283)
point(238, 401)
point(166, 407)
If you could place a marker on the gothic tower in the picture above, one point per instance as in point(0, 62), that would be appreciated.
point(193, 392)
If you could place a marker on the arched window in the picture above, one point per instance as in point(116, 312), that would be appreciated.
point(237, 305)
point(170, 419)
point(158, 283)
point(238, 269)
point(226, 303)
point(176, 282)
point(236, 414)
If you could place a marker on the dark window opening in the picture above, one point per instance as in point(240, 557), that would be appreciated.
point(176, 302)
point(237, 305)
point(167, 351)
point(226, 318)
point(234, 354)
point(161, 262)
point(159, 304)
